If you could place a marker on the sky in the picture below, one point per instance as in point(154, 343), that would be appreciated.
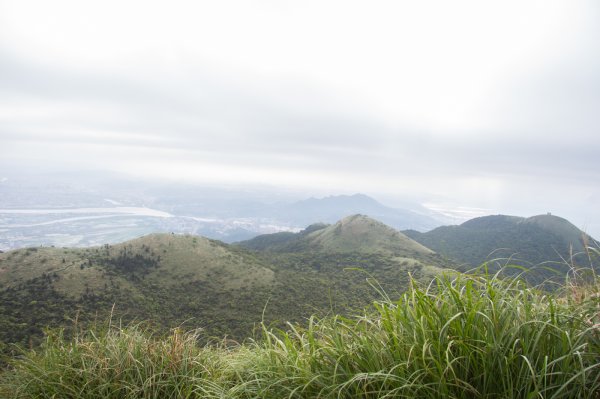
point(491, 105)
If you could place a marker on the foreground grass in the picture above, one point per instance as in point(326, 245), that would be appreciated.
point(466, 337)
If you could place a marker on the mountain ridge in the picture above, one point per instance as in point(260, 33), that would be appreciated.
point(546, 240)
point(354, 233)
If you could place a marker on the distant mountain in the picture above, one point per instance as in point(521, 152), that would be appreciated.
point(223, 289)
point(333, 208)
point(546, 239)
point(75, 217)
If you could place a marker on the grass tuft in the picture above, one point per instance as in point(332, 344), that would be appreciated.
point(115, 363)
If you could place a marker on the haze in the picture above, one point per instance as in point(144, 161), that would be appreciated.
point(487, 105)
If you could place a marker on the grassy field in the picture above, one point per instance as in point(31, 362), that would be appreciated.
point(458, 337)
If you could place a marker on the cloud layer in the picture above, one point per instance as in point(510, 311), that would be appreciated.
point(481, 105)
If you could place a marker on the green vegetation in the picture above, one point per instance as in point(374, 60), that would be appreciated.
point(356, 233)
point(198, 283)
point(460, 337)
point(272, 317)
point(546, 243)
point(164, 278)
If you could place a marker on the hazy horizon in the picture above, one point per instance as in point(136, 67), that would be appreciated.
point(489, 106)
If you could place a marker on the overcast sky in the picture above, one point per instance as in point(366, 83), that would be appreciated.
point(458, 103)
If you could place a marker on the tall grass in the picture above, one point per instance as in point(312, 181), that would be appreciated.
point(115, 363)
point(463, 338)
point(459, 337)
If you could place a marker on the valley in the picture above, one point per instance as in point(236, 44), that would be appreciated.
point(84, 227)
point(77, 212)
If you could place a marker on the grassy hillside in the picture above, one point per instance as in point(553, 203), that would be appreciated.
point(359, 233)
point(356, 233)
point(546, 240)
point(470, 337)
point(167, 279)
point(338, 258)
point(172, 280)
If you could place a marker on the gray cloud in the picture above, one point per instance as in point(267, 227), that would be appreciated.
point(371, 116)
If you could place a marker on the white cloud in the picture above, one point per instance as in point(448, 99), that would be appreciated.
point(463, 99)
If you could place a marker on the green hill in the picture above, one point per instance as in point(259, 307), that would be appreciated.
point(171, 280)
point(166, 279)
point(546, 240)
point(344, 254)
point(356, 233)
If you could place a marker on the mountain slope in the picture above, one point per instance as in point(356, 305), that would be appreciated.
point(363, 234)
point(530, 241)
point(164, 278)
point(356, 233)
point(223, 289)
point(156, 258)
point(356, 247)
